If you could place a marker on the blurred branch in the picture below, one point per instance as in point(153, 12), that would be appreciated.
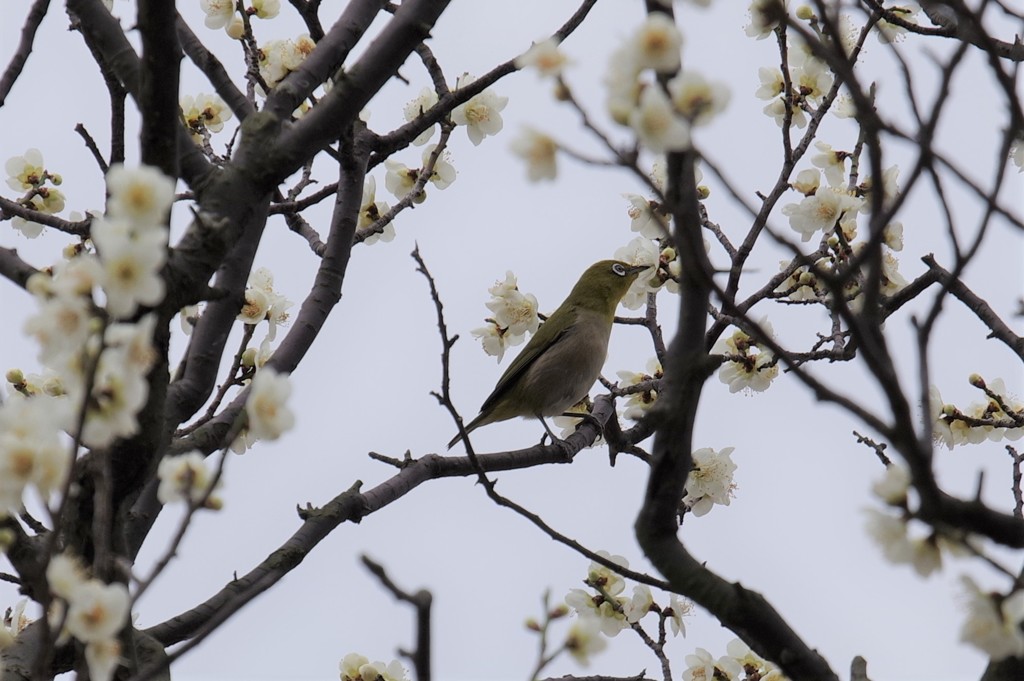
point(420, 601)
point(28, 35)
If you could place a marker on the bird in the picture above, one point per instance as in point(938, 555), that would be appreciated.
point(558, 366)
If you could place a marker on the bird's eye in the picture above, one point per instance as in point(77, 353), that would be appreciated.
point(619, 269)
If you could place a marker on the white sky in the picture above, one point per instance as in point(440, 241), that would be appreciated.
point(794, 531)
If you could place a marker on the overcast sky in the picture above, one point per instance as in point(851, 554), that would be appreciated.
point(795, 529)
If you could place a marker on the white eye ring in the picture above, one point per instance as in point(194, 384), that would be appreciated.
point(619, 269)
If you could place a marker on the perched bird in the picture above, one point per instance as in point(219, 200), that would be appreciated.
point(564, 357)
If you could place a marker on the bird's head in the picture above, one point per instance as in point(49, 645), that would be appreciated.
point(603, 284)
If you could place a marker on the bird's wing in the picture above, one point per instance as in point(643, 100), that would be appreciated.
point(549, 333)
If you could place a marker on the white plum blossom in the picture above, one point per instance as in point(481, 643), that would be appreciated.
point(444, 172)
point(495, 339)
point(748, 364)
point(644, 218)
point(32, 451)
point(350, 666)
point(772, 83)
point(64, 574)
point(25, 172)
point(892, 281)
point(278, 58)
point(894, 485)
point(656, 44)
point(400, 179)
point(763, 18)
point(639, 605)
point(607, 577)
point(893, 235)
point(994, 621)
point(607, 613)
point(777, 110)
point(97, 611)
point(204, 112)
point(218, 12)
point(131, 266)
point(949, 427)
point(710, 481)
point(545, 57)
point(185, 478)
point(269, 416)
point(61, 326)
point(638, 403)
point(656, 124)
point(266, 9)
point(623, 86)
point(513, 311)
point(103, 658)
point(807, 181)
point(426, 99)
point(141, 195)
point(701, 666)
point(822, 211)
point(899, 547)
point(372, 210)
point(540, 153)
point(889, 32)
point(810, 76)
point(832, 162)
point(679, 608)
point(640, 251)
point(802, 284)
point(119, 391)
point(379, 671)
point(697, 99)
point(584, 639)
point(481, 114)
point(753, 664)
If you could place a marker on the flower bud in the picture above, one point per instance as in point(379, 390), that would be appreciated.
point(977, 381)
point(236, 29)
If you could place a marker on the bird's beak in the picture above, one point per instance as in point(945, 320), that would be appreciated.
point(637, 269)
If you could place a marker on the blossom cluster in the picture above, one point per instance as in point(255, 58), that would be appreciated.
point(82, 300)
point(832, 209)
point(999, 416)
point(661, 118)
point(186, 478)
point(262, 302)
point(810, 80)
point(29, 175)
point(640, 398)
point(893, 533)
point(222, 14)
point(710, 480)
point(91, 611)
point(278, 58)
point(748, 365)
point(605, 610)
point(481, 113)
point(739, 663)
point(203, 114)
point(355, 667)
point(401, 180)
point(514, 316)
point(995, 621)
